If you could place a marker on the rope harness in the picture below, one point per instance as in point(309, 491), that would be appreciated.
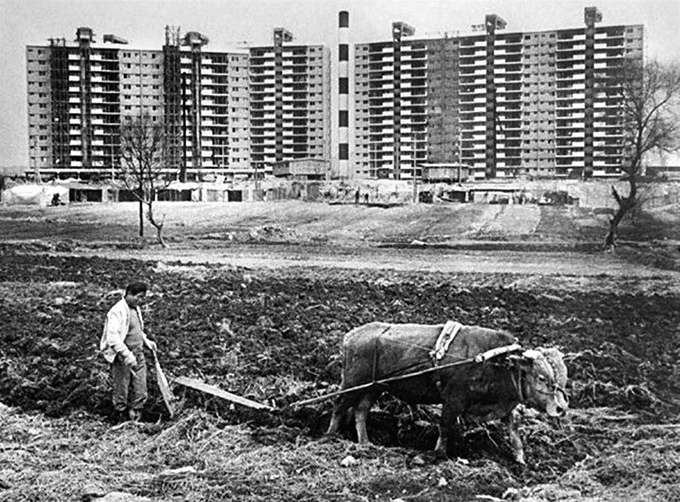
point(444, 341)
point(556, 387)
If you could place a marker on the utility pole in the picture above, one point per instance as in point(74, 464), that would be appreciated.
point(257, 176)
point(113, 162)
point(460, 151)
point(36, 167)
point(415, 185)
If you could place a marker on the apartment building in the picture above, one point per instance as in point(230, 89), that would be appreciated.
point(290, 105)
point(499, 103)
point(206, 107)
point(504, 104)
point(80, 93)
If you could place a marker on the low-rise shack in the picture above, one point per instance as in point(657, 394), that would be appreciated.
point(301, 169)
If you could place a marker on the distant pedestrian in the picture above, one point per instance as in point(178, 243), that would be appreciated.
point(357, 195)
point(122, 344)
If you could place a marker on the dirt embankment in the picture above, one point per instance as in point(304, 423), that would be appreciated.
point(347, 224)
point(447, 237)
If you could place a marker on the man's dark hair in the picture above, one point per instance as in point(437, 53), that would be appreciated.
point(134, 288)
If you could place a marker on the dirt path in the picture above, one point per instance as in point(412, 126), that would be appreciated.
point(425, 260)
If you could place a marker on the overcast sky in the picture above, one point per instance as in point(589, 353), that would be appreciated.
point(228, 23)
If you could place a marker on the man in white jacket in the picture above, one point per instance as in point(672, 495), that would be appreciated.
point(122, 344)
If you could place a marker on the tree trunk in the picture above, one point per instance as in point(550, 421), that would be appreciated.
point(156, 224)
point(625, 205)
point(159, 232)
point(610, 239)
point(141, 218)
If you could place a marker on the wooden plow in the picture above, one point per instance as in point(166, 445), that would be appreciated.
point(192, 383)
point(212, 390)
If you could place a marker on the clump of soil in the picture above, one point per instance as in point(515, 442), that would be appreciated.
point(274, 336)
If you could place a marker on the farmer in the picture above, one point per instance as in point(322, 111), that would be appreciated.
point(122, 344)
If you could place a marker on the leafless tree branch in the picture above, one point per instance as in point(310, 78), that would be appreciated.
point(142, 146)
point(649, 99)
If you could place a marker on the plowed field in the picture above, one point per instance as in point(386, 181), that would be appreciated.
point(263, 316)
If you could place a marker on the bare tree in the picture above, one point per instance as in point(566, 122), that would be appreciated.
point(142, 147)
point(648, 95)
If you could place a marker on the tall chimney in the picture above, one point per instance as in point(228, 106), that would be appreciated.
point(343, 96)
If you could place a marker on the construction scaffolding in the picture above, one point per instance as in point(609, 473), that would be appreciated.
point(280, 36)
point(85, 37)
point(195, 41)
point(59, 102)
point(444, 138)
point(173, 103)
point(399, 30)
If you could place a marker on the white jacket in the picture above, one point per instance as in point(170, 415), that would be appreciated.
point(116, 329)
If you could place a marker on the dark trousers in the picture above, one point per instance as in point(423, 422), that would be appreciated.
point(126, 378)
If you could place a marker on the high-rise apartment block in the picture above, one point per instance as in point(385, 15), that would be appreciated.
point(224, 113)
point(290, 110)
point(499, 103)
point(503, 104)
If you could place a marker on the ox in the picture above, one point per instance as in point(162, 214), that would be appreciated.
point(482, 375)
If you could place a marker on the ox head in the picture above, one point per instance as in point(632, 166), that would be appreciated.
point(544, 380)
